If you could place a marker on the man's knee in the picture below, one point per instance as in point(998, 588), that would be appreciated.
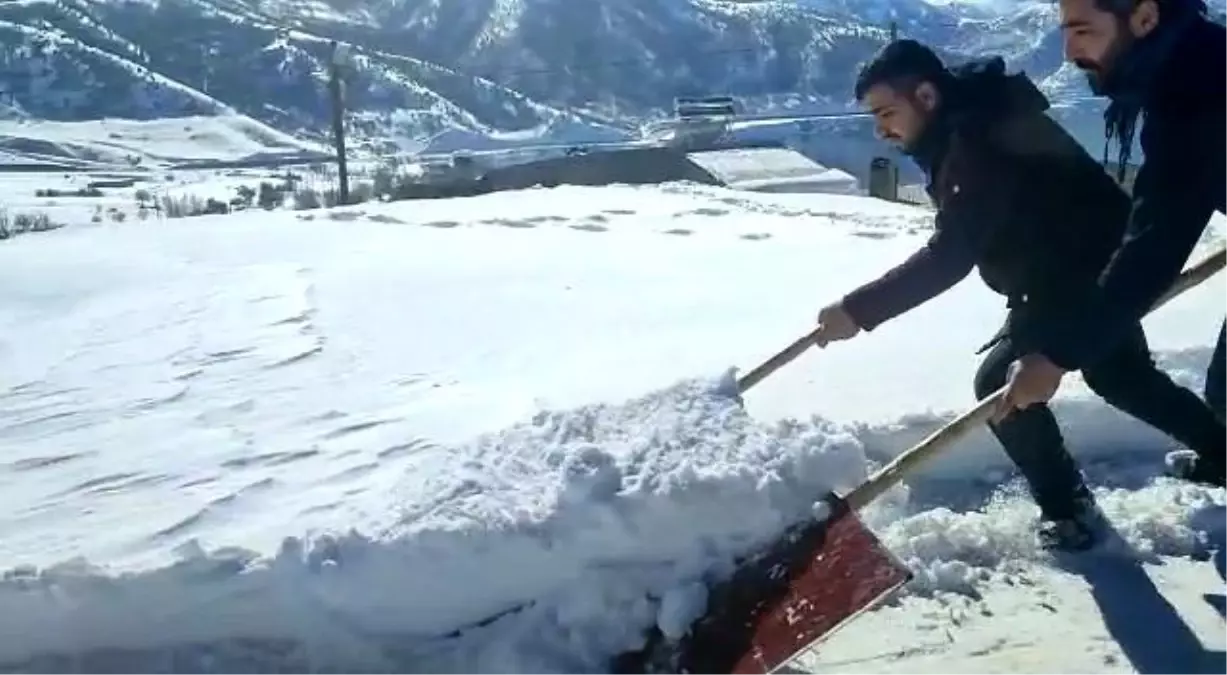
point(1216, 398)
point(1129, 371)
point(1113, 383)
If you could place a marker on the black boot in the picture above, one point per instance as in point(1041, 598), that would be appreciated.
point(1076, 526)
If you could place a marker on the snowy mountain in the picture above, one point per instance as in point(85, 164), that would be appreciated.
point(578, 69)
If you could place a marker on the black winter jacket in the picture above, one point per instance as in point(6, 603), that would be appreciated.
point(1016, 196)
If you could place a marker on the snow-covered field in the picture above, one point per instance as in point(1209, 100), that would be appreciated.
point(148, 144)
point(337, 440)
point(115, 196)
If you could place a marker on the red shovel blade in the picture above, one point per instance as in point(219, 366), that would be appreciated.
point(811, 581)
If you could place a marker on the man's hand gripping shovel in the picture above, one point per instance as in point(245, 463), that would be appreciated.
point(822, 573)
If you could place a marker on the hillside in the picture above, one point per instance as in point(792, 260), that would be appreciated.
point(572, 70)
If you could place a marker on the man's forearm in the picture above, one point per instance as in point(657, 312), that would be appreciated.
point(921, 277)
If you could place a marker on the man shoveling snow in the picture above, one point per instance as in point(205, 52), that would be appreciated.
point(1020, 199)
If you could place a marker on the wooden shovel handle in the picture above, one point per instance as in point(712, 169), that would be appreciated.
point(918, 455)
point(778, 361)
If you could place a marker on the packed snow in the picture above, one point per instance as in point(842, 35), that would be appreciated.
point(497, 434)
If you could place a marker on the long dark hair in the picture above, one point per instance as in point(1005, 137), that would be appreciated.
point(1137, 66)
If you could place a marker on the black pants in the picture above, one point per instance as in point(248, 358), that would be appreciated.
point(1216, 380)
point(1129, 380)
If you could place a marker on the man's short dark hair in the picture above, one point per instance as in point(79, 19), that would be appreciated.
point(901, 65)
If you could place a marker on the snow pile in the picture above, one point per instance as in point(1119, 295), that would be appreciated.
point(953, 552)
point(578, 529)
point(592, 524)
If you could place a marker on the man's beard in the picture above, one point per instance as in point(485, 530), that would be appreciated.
point(895, 142)
point(913, 146)
point(923, 143)
point(1102, 76)
point(919, 142)
point(1094, 76)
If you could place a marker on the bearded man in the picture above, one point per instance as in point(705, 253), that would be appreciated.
point(1161, 61)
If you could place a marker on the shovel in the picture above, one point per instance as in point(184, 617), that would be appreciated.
point(821, 573)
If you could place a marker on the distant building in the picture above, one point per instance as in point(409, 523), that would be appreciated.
point(698, 122)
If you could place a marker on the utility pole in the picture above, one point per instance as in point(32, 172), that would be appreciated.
point(338, 63)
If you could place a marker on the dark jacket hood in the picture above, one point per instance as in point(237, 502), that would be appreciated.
point(981, 91)
point(976, 95)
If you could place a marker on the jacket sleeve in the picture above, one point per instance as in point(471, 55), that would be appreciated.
point(1179, 186)
point(943, 261)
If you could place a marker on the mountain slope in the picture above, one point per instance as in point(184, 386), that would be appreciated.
point(480, 66)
